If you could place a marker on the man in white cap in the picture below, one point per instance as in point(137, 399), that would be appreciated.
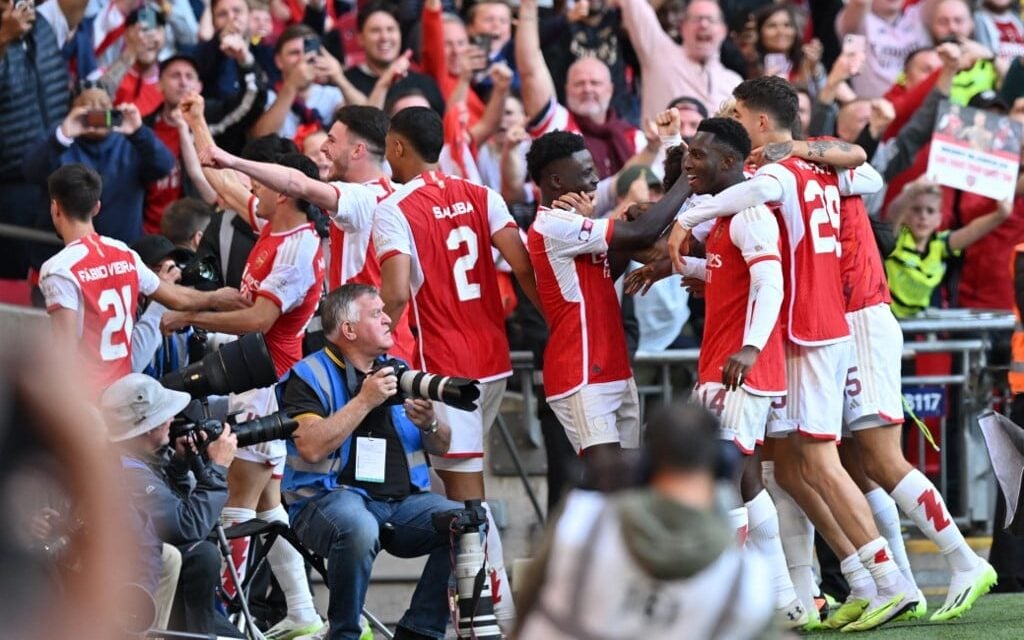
point(138, 412)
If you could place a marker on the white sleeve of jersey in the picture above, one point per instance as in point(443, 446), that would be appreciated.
point(148, 280)
point(498, 216)
point(354, 210)
point(293, 272)
point(390, 231)
point(764, 302)
point(694, 268)
point(862, 181)
point(567, 233)
point(755, 233)
point(60, 291)
point(749, 193)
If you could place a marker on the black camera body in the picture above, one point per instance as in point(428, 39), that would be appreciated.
point(461, 393)
point(276, 426)
point(471, 518)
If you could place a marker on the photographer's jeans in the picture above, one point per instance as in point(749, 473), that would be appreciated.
point(344, 527)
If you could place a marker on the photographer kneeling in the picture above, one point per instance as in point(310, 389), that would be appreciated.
point(357, 461)
point(183, 509)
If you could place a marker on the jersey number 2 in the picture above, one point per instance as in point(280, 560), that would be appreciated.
point(120, 323)
point(464, 264)
point(824, 220)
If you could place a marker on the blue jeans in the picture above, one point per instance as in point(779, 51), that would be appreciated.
point(344, 527)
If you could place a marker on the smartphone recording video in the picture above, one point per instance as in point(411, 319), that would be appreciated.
point(855, 48)
point(311, 45)
point(103, 119)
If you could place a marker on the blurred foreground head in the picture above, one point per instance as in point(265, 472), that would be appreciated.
point(66, 546)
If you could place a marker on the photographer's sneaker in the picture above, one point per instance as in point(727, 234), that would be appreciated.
point(291, 630)
point(964, 590)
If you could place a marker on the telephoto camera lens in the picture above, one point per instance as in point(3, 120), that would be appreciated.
point(234, 368)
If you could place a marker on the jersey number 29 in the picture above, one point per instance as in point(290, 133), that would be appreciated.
point(120, 324)
point(464, 264)
point(824, 219)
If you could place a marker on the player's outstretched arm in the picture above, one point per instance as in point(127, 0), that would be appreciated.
point(181, 298)
point(760, 189)
point(260, 317)
point(830, 151)
point(285, 180)
point(644, 231)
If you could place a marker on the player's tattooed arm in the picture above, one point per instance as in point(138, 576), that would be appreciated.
point(837, 153)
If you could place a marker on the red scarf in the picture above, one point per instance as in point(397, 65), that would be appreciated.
point(611, 143)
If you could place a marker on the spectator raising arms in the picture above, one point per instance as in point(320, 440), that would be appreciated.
point(588, 94)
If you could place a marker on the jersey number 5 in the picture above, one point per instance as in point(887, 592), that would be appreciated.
point(464, 264)
point(119, 324)
point(824, 219)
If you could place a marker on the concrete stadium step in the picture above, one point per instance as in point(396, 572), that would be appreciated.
point(930, 568)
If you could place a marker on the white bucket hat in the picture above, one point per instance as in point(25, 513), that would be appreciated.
point(137, 404)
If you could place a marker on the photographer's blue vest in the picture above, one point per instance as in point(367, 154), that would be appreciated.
point(303, 480)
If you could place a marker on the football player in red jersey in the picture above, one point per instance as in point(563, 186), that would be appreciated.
point(818, 347)
point(873, 415)
point(92, 286)
point(587, 378)
point(283, 277)
point(355, 147)
point(741, 369)
point(433, 238)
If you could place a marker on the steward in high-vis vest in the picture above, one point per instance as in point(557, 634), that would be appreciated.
point(357, 462)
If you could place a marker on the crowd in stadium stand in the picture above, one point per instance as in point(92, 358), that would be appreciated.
point(446, 181)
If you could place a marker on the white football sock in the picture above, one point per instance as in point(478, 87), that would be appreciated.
point(797, 536)
point(504, 608)
point(862, 585)
point(877, 559)
point(887, 519)
point(763, 535)
point(920, 500)
point(239, 546)
point(290, 571)
point(739, 524)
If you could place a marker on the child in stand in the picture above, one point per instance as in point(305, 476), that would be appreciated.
point(916, 266)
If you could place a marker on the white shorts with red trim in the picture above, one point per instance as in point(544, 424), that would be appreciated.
point(252, 404)
point(601, 413)
point(466, 453)
point(873, 393)
point(815, 378)
point(741, 414)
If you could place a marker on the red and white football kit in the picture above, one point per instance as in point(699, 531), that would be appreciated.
point(100, 279)
point(818, 349)
point(287, 268)
point(351, 256)
point(743, 302)
point(587, 378)
point(873, 387)
point(444, 224)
